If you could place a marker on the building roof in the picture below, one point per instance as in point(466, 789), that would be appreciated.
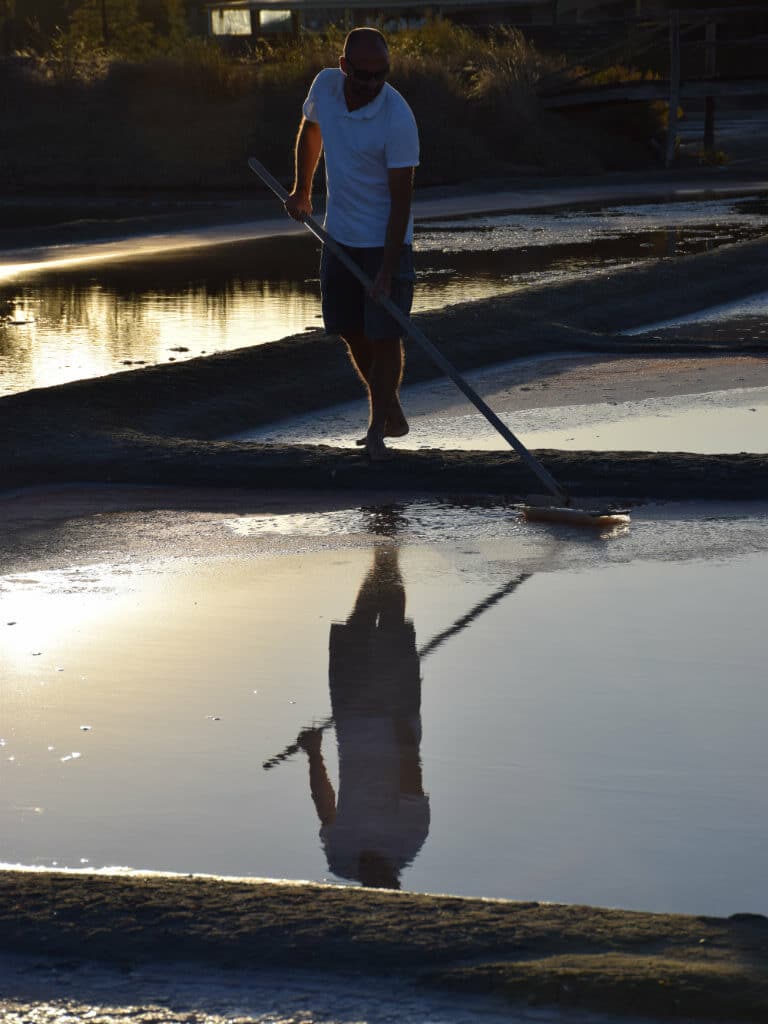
point(300, 5)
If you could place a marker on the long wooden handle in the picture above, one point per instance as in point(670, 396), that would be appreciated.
point(412, 331)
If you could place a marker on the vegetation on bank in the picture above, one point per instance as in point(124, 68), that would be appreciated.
point(593, 959)
point(171, 110)
point(130, 28)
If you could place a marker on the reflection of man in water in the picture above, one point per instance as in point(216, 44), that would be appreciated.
point(381, 818)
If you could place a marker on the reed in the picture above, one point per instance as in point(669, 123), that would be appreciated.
point(186, 115)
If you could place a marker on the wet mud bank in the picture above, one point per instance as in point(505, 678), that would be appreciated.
point(160, 424)
point(626, 476)
point(600, 959)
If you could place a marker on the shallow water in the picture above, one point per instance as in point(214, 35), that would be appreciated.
point(683, 226)
point(60, 323)
point(723, 420)
point(589, 727)
point(735, 323)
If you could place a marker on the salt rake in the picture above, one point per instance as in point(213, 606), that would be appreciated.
point(564, 510)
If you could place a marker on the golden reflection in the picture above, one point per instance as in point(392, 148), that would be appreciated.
point(50, 610)
point(63, 257)
point(85, 328)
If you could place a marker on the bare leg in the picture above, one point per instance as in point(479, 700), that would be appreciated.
point(386, 374)
point(381, 597)
point(361, 352)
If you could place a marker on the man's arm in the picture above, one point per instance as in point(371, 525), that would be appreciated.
point(320, 786)
point(400, 192)
point(309, 146)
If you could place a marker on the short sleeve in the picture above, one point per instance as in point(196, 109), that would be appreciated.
point(309, 109)
point(402, 149)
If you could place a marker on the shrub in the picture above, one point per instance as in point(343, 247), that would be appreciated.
point(186, 114)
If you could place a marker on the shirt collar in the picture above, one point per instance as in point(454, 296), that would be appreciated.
point(369, 110)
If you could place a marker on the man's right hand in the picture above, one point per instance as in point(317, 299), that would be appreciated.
point(310, 740)
point(298, 205)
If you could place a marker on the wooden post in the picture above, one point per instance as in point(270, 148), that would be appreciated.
point(710, 70)
point(674, 85)
point(105, 24)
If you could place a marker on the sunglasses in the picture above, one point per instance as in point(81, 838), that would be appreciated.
point(367, 76)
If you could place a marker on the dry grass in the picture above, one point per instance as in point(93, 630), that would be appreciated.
point(690, 984)
point(188, 118)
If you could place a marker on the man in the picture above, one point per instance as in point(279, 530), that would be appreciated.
point(371, 145)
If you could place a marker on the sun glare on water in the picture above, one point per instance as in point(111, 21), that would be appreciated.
point(43, 614)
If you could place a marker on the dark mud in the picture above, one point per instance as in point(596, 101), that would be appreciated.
point(629, 962)
point(159, 424)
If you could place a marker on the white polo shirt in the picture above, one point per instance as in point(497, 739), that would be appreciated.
point(360, 147)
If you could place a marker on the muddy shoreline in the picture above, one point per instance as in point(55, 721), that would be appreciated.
point(35, 223)
point(593, 958)
point(160, 424)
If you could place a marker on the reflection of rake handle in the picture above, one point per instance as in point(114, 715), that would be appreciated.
point(465, 620)
point(423, 652)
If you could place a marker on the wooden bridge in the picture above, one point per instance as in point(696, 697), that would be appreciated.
point(632, 92)
point(569, 87)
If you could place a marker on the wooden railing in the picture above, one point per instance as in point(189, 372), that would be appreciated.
point(568, 87)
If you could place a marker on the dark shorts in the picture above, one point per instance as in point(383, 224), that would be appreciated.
point(347, 307)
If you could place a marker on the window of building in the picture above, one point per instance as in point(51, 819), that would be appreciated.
point(275, 21)
point(230, 23)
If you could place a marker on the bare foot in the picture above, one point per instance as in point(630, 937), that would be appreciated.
point(375, 448)
point(396, 426)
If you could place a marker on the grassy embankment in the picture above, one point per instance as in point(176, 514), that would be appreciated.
point(592, 958)
point(187, 120)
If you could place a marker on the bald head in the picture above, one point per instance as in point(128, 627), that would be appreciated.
point(365, 64)
point(364, 43)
